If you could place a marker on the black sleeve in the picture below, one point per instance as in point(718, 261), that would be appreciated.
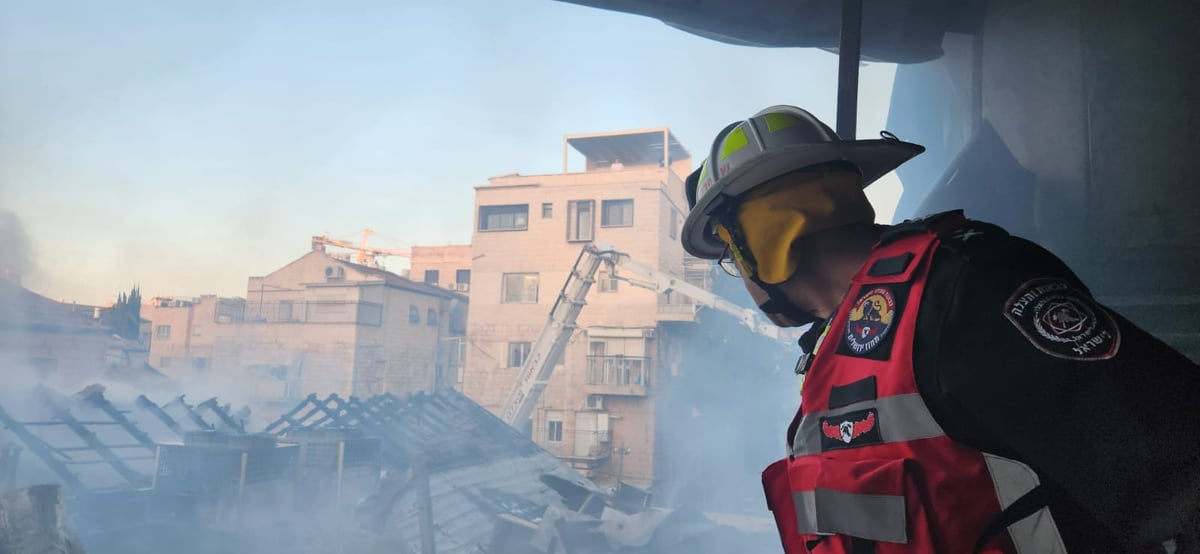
point(1016, 358)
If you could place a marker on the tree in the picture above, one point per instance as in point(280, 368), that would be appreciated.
point(125, 317)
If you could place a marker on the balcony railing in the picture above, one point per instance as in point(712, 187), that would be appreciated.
point(621, 372)
point(617, 370)
point(581, 446)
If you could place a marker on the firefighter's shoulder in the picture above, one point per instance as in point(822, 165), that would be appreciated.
point(974, 240)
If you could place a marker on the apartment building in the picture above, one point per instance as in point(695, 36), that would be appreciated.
point(598, 410)
point(320, 325)
point(53, 341)
point(184, 331)
point(442, 266)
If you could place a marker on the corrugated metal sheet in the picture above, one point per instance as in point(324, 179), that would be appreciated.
point(479, 467)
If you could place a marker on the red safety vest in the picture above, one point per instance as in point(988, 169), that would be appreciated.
point(869, 469)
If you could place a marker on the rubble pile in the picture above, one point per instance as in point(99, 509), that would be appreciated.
point(418, 474)
point(32, 521)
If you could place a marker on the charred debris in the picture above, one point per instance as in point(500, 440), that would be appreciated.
point(418, 474)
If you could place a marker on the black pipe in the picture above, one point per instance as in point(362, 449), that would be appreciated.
point(849, 58)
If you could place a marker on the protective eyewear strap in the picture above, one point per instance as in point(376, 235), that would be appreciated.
point(737, 246)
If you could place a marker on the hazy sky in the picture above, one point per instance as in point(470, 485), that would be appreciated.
point(188, 145)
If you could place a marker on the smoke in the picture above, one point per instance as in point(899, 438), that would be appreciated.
point(16, 252)
point(723, 419)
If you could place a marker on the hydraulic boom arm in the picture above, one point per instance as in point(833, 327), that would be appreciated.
point(548, 349)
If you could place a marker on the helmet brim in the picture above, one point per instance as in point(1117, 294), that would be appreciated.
point(873, 158)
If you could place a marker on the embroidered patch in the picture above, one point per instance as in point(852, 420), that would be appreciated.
point(850, 430)
point(870, 320)
point(1063, 321)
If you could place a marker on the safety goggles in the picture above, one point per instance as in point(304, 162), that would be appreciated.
point(737, 260)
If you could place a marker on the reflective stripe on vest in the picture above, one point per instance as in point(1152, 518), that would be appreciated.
point(869, 516)
point(898, 480)
point(1036, 534)
point(903, 417)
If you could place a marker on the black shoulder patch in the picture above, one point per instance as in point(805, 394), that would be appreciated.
point(894, 265)
point(1063, 321)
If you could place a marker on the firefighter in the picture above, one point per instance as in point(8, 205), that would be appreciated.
point(963, 391)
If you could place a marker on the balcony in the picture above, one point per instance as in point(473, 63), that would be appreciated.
point(675, 306)
point(618, 375)
point(589, 448)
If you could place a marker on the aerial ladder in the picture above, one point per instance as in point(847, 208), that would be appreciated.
point(545, 353)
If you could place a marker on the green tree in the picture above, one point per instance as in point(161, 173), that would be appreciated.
point(125, 317)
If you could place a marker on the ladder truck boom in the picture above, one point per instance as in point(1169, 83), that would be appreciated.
point(662, 282)
point(548, 349)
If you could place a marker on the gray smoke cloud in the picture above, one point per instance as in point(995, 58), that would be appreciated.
point(16, 255)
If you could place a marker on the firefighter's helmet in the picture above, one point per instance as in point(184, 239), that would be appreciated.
point(774, 142)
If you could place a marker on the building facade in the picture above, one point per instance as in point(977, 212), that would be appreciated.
point(598, 410)
point(448, 266)
point(54, 342)
point(317, 325)
point(183, 332)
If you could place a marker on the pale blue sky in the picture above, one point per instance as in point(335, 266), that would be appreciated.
point(188, 145)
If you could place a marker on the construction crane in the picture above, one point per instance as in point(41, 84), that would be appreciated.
point(548, 349)
point(366, 254)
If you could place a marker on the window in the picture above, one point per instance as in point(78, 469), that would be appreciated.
point(199, 363)
point(519, 288)
point(606, 282)
point(462, 276)
point(198, 331)
point(554, 427)
point(674, 223)
point(581, 224)
point(431, 317)
point(513, 217)
point(432, 276)
point(547, 210)
point(285, 310)
point(517, 352)
point(162, 332)
point(617, 213)
point(164, 362)
point(414, 314)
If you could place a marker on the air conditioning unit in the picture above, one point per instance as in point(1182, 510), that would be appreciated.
point(335, 272)
point(462, 287)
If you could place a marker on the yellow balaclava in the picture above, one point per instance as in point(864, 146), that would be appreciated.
point(789, 207)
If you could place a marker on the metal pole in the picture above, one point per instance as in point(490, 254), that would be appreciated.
point(341, 470)
point(849, 57)
point(424, 503)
